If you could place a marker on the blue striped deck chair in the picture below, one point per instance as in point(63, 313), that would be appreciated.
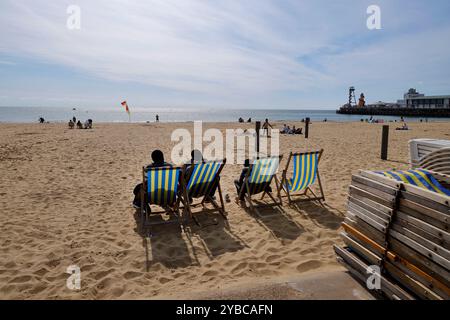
point(161, 188)
point(258, 179)
point(419, 177)
point(304, 175)
point(203, 181)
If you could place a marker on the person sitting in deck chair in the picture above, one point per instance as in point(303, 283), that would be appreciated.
point(158, 161)
point(238, 183)
point(197, 157)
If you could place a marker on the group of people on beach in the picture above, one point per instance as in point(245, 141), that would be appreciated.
point(73, 122)
point(158, 161)
point(288, 130)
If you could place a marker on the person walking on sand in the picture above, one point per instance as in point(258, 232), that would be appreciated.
point(266, 126)
point(157, 118)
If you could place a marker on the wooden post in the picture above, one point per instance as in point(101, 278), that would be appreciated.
point(384, 142)
point(307, 127)
point(257, 128)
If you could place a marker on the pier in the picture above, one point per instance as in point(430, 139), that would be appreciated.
point(389, 111)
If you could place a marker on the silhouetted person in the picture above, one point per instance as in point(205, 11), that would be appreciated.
point(158, 161)
point(266, 126)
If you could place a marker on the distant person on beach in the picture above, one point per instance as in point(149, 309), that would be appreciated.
point(158, 161)
point(41, 120)
point(266, 126)
point(74, 119)
point(157, 118)
point(404, 127)
point(240, 120)
point(249, 120)
point(296, 131)
point(71, 124)
point(284, 130)
point(79, 125)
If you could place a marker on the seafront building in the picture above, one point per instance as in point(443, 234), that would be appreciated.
point(412, 104)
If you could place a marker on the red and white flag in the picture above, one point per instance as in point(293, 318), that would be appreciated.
point(124, 103)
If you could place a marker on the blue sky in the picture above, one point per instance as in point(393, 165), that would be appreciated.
point(220, 53)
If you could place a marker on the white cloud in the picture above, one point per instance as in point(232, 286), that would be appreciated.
point(226, 50)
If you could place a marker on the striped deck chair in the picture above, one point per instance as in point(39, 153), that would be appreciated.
point(304, 175)
point(419, 177)
point(161, 189)
point(259, 177)
point(203, 179)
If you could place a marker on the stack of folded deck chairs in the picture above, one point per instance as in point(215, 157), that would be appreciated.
point(399, 223)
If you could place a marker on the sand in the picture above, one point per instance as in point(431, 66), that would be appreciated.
point(65, 199)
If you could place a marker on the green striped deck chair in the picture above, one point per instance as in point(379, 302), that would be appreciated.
point(419, 177)
point(305, 174)
point(161, 188)
point(203, 181)
point(259, 177)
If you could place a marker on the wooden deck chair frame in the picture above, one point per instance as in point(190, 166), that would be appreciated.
point(437, 161)
point(187, 206)
point(248, 195)
point(144, 204)
point(284, 187)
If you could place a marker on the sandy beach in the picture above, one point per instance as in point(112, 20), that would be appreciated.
point(65, 199)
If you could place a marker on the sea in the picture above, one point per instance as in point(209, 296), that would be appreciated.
point(141, 115)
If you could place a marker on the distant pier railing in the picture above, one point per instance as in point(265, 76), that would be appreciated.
point(405, 112)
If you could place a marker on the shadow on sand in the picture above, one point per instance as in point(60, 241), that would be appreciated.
point(215, 235)
point(275, 220)
point(321, 214)
point(165, 244)
point(172, 244)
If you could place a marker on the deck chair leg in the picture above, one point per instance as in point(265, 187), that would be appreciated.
point(275, 201)
point(277, 185)
point(222, 204)
point(320, 185)
point(187, 205)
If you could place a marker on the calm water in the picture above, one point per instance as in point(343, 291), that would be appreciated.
point(31, 114)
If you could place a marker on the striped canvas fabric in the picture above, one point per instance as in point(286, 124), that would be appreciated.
point(420, 178)
point(305, 171)
point(162, 185)
point(202, 177)
point(263, 170)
